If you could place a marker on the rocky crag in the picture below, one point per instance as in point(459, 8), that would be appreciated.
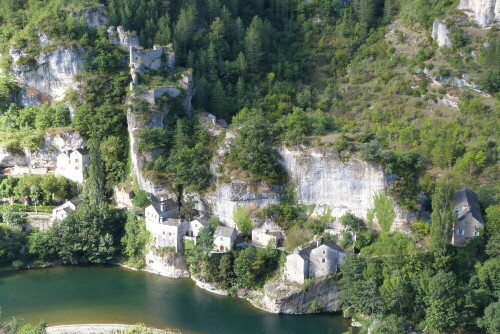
point(322, 180)
point(46, 155)
point(485, 12)
point(284, 297)
point(47, 77)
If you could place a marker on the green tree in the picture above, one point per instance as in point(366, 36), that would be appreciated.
point(135, 241)
point(442, 215)
point(243, 219)
point(384, 211)
point(491, 319)
point(444, 302)
point(95, 181)
point(253, 44)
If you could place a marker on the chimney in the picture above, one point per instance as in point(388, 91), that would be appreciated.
point(317, 243)
point(162, 204)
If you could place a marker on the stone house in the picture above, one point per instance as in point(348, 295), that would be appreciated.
point(71, 164)
point(161, 221)
point(469, 221)
point(62, 211)
point(124, 197)
point(325, 260)
point(194, 228)
point(313, 261)
point(262, 237)
point(224, 238)
point(168, 232)
point(161, 211)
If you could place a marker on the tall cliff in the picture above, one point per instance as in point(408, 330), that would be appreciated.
point(47, 77)
point(321, 179)
point(485, 12)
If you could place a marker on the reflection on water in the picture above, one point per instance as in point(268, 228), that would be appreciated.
point(66, 295)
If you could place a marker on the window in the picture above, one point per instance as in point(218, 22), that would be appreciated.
point(324, 252)
point(323, 260)
point(476, 234)
point(460, 232)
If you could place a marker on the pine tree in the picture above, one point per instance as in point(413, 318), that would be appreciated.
point(442, 216)
point(184, 28)
point(163, 35)
point(253, 44)
point(95, 180)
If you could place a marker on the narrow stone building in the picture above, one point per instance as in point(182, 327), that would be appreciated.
point(313, 261)
point(469, 223)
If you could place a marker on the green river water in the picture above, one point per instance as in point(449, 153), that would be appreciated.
point(72, 295)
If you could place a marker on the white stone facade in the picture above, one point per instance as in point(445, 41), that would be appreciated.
point(62, 211)
point(123, 197)
point(168, 233)
point(296, 268)
point(71, 164)
point(224, 238)
point(313, 261)
point(263, 237)
point(324, 260)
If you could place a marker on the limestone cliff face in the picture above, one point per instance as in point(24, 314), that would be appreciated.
point(440, 34)
point(283, 297)
point(49, 76)
point(321, 180)
point(46, 155)
point(93, 16)
point(228, 196)
point(485, 12)
point(170, 266)
point(135, 123)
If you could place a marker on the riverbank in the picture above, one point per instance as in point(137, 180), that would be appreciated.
point(100, 329)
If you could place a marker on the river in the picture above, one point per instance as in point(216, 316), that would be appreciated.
point(98, 294)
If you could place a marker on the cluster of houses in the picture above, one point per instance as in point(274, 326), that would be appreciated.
point(169, 231)
point(70, 164)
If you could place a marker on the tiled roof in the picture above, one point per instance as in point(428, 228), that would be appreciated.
point(224, 231)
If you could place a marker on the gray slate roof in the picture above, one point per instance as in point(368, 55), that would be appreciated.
point(82, 151)
point(170, 204)
point(467, 198)
point(224, 231)
point(76, 201)
point(306, 252)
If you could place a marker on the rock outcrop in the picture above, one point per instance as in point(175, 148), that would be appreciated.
point(46, 155)
point(441, 34)
point(285, 297)
point(228, 196)
point(47, 77)
point(125, 39)
point(325, 181)
point(93, 16)
point(167, 265)
point(321, 179)
point(484, 12)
